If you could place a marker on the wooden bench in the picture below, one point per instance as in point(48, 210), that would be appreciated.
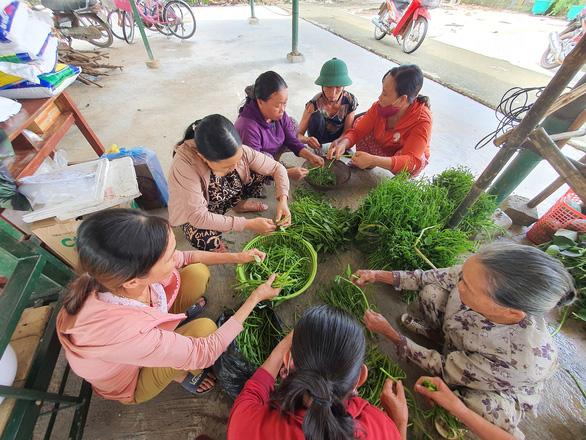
point(30, 303)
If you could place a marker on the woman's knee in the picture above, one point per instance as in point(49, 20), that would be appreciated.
point(198, 328)
point(196, 273)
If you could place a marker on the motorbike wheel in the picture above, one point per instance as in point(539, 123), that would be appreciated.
point(128, 26)
point(415, 34)
point(114, 21)
point(382, 18)
point(181, 19)
point(548, 60)
point(93, 21)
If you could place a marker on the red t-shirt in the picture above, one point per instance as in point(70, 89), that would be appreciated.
point(253, 419)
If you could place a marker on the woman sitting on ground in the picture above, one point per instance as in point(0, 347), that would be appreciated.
point(264, 125)
point(330, 113)
point(395, 133)
point(127, 323)
point(211, 173)
point(498, 351)
point(317, 398)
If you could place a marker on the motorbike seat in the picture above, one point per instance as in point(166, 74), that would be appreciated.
point(67, 5)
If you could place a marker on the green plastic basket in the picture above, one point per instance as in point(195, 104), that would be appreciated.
point(302, 247)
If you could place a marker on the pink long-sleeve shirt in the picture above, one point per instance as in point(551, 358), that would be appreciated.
point(107, 344)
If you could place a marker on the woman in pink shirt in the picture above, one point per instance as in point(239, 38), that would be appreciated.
point(126, 324)
point(318, 398)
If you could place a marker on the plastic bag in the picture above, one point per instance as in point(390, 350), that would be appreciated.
point(149, 175)
point(232, 368)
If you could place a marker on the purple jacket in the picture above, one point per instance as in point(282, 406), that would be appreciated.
point(264, 136)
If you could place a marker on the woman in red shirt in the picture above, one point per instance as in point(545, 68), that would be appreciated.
point(317, 399)
point(395, 133)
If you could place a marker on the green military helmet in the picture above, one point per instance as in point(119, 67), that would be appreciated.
point(334, 73)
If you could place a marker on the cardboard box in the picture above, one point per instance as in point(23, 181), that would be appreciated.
point(60, 236)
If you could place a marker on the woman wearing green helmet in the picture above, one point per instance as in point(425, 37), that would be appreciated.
point(329, 114)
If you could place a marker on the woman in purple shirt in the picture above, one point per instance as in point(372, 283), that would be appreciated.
point(263, 124)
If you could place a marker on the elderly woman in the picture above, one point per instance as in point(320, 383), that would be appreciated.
point(395, 133)
point(497, 349)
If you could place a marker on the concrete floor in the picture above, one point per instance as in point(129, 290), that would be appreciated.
point(207, 74)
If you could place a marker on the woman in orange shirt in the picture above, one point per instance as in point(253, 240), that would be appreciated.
point(395, 132)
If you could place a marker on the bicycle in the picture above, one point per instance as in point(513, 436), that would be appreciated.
point(173, 17)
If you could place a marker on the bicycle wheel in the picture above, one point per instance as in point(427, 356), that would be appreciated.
point(414, 35)
point(128, 26)
point(101, 32)
point(180, 19)
point(115, 23)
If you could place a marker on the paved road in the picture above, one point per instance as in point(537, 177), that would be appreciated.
point(471, 71)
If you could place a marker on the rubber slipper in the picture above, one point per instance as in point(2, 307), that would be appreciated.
point(257, 207)
point(191, 383)
point(194, 311)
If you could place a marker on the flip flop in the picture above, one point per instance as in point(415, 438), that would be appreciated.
point(194, 311)
point(191, 383)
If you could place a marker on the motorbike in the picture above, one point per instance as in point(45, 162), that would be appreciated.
point(80, 19)
point(409, 26)
point(561, 44)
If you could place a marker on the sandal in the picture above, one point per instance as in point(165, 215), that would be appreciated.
point(416, 326)
point(191, 383)
point(222, 249)
point(252, 207)
point(194, 311)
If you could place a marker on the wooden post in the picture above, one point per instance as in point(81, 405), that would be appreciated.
point(571, 66)
point(559, 161)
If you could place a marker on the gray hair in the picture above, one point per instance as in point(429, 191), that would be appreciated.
point(526, 278)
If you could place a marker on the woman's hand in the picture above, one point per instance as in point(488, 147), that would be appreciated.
point(363, 160)
point(394, 403)
point(296, 173)
point(443, 397)
point(283, 213)
point(313, 143)
point(364, 277)
point(377, 323)
point(260, 225)
point(265, 290)
point(337, 148)
point(249, 255)
point(315, 160)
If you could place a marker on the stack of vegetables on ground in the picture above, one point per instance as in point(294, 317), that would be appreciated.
point(394, 216)
point(289, 256)
point(327, 228)
point(261, 334)
point(570, 248)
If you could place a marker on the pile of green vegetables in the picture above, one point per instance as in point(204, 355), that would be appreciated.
point(380, 368)
point(327, 228)
point(261, 334)
point(570, 248)
point(401, 212)
point(322, 176)
point(287, 256)
point(343, 293)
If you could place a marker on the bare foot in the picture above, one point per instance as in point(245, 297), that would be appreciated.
point(207, 383)
point(249, 206)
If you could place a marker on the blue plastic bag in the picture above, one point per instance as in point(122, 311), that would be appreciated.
point(149, 175)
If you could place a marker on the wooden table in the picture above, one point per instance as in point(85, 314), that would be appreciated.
point(29, 155)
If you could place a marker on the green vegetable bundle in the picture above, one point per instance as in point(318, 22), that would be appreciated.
point(327, 228)
point(393, 216)
point(322, 176)
point(343, 293)
point(380, 368)
point(261, 334)
point(288, 255)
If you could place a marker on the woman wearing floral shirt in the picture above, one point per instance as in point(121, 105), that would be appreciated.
point(497, 350)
